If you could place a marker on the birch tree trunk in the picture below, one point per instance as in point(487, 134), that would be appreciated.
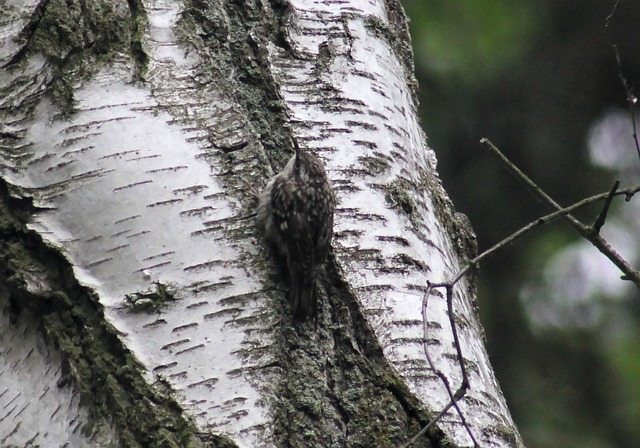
point(140, 307)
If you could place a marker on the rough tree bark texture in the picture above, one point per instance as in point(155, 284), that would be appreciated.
point(140, 308)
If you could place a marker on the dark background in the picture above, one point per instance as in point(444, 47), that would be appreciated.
point(540, 80)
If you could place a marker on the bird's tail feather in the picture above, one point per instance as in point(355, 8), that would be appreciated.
point(304, 298)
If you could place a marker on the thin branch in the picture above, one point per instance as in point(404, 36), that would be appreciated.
point(627, 192)
point(432, 422)
point(631, 98)
point(432, 365)
point(464, 385)
point(602, 216)
point(590, 233)
point(610, 16)
point(585, 231)
point(454, 397)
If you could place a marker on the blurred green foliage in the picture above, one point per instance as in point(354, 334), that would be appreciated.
point(534, 77)
point(453, 44)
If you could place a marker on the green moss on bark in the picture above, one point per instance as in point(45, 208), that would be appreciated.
point(76, 37)
point(95, 361)
point(334, 386)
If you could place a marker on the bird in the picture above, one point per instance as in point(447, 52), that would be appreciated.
point(295, 214)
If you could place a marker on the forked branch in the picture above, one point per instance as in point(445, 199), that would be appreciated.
point(587, 232)
point(591, 233)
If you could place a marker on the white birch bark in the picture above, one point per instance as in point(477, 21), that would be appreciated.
point(142, 189)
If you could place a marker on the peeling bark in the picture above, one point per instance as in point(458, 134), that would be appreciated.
point(140, 306)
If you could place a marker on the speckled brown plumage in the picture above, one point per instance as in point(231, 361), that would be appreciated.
point(296, 215)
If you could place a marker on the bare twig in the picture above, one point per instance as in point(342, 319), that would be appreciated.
point(464, 385)
point(432, 365)
point(454, 397)
point(432, 422)
point(631, 98)
point(611, 14)
point(585, 231)
point(628, 193)
point(590, 233)
point(602, 216)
